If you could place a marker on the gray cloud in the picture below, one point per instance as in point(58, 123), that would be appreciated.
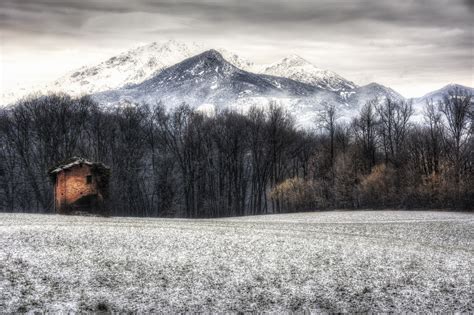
point(440, 13)
point(396, 36)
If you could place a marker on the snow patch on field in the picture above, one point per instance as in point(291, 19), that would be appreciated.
point(330, 261)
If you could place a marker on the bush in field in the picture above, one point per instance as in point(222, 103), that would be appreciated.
point(378, 188)
point(297, 194)
point(344, 183)
point(438, 190)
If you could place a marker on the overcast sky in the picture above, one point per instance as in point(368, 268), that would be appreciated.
point(413, 46)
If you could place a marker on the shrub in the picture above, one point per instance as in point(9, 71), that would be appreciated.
point(378, 188)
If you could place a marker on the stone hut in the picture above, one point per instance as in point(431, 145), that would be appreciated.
point(80, 186)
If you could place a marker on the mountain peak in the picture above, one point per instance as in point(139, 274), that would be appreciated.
point(379, 87)
point(441, 92)
point(380, 91)
point(210, 59)
point(212, 54)
point(174, 45)
point(208, 66)
point(375, 85)
point(294, 61)
point(451, 86)
point(299, 69)
point(207, 78)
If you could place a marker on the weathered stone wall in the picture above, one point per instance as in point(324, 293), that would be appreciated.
point(71, 185)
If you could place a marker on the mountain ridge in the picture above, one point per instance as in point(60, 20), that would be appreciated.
point(174, 73)
point(204, 78)
point(299, 69)
point(438, 94)
point(131, 67)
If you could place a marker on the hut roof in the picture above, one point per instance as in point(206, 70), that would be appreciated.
point(73, 161)
point(68, 164)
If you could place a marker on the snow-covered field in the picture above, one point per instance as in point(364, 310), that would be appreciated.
point(330, 261)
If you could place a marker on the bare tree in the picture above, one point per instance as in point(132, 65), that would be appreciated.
point(433, 121)
point(457, 109)
point(365, 130)
point(327, 121)
point(394, 124)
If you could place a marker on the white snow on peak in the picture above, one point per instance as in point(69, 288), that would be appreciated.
point(236, 60)
point(144, 62)
point(295, 61)
point(131, 67)
point(128, 68)
point(299, 69)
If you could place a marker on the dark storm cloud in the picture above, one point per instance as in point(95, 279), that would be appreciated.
point(441, 13)
point(348, 21)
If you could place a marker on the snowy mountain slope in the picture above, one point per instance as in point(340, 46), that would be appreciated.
point(351, 101)
point(130, 67)
point(361, 95)
point(133, 67)
point(208, 82)
point(438, 95)
point(234, 59)
point(206, 79)
point(299, 69)
point(420, 103)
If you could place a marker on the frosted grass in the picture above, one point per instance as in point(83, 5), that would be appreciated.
point(330, 261)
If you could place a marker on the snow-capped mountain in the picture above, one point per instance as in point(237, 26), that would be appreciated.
point(420, 103)
point(206, 79)
point(133, 67)
point(353, 100)
point(299, 69)
point(176, 72)
point(438, 95)
point(361, 95)
point(234, 59)
point(130, 67)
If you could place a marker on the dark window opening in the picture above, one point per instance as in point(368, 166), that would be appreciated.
point(89, 179)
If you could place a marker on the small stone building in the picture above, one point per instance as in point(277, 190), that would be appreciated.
point(80, 186)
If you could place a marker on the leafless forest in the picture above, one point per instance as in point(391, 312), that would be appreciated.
point(187, 164)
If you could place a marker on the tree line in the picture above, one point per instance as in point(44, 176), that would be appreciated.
point(184, 163)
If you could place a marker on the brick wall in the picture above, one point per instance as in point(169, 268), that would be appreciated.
point(71, 185)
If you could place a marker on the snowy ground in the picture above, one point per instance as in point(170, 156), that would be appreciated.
point(330, 261)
